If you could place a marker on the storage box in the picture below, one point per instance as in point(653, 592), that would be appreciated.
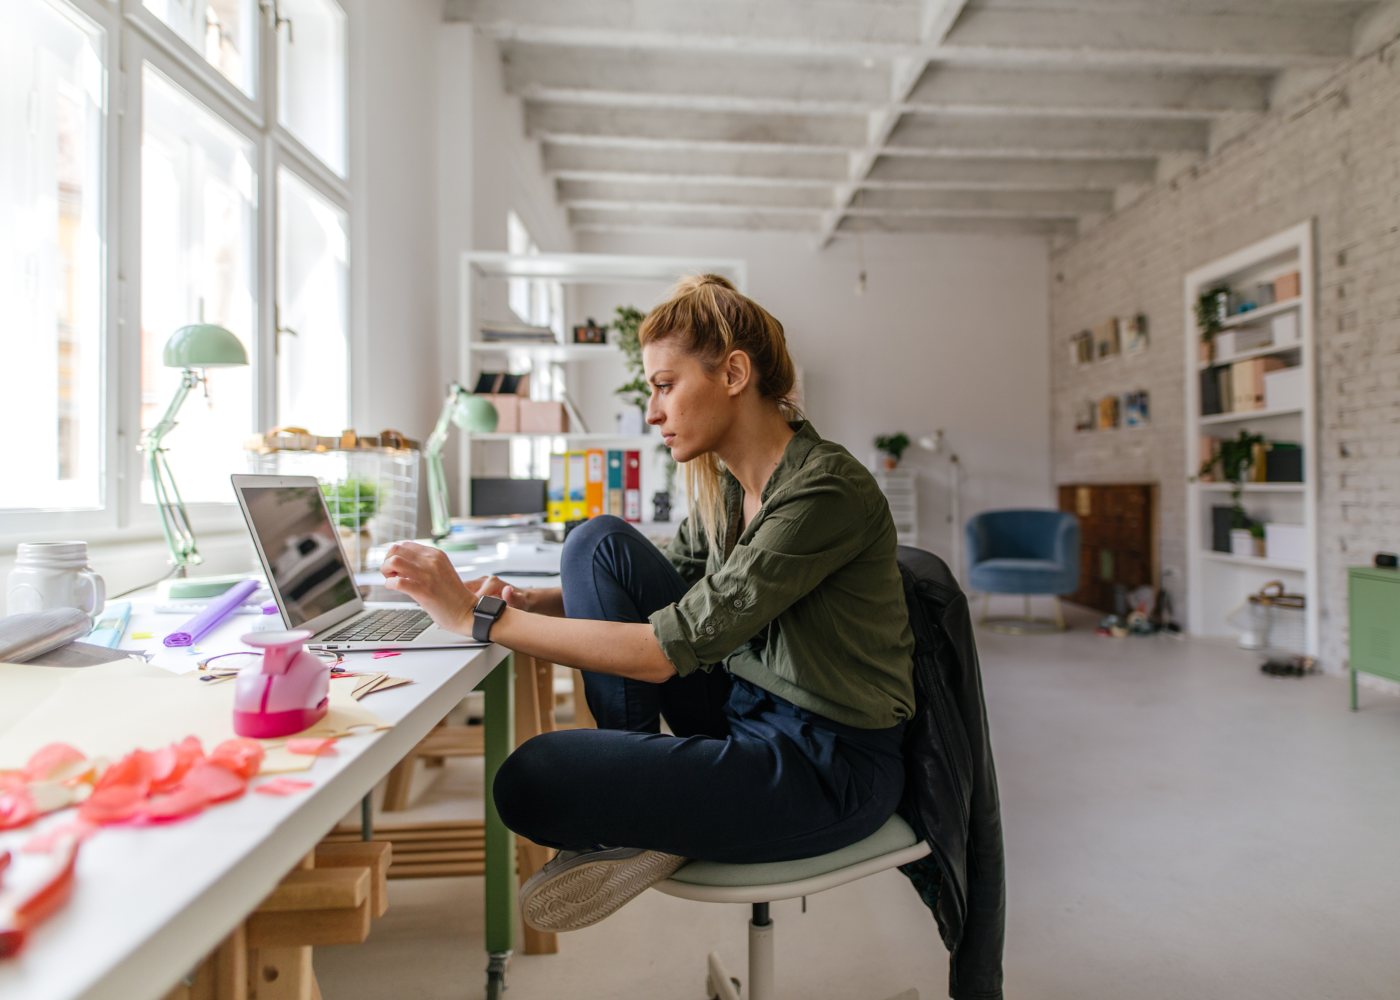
point(1287, 543)
point(1283, 388)
point(1225, 345)
point(504, 391)
point(1283, 463)
point(542, 416)
point(1285, 328)
point(1287, 286)
point(1251, 338)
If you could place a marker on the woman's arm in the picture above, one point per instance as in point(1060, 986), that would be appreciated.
point(540, 600)
point(626, 650)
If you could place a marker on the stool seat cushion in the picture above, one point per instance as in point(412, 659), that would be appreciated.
point(895, 835)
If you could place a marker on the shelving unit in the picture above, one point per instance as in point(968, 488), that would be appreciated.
point(901, 489)
point(483, 279)
point(1219, 582)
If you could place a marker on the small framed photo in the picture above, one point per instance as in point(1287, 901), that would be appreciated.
point(590, 333)
point(1136, 412)
point(1135, 334)
point(1107, 339)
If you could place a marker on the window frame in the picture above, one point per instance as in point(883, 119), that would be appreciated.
point(133, 37)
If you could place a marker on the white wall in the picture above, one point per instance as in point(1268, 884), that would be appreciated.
point(951, 332)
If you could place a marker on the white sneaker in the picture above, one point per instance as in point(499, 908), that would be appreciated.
point(578, 888)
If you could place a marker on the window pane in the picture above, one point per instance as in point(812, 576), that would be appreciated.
point(311, 77)
point(198, 201)
point(52, 83)
point(222, 31)
point(313, 360)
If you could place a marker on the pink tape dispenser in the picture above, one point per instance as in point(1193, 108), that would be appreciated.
point(288, 692)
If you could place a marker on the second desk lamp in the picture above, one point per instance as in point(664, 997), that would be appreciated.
point(469, 412)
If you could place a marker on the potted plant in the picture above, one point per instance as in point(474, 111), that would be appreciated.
point(1233, 461)
point(892, 447)
point(352, 503)
point(1256, 534)
point(635, 391)
point(1212, 308)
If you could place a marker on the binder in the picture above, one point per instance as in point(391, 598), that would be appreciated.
point(632, 486)
point(556, 501)
point(576, 486)
point(593, 490)
point(612, 499)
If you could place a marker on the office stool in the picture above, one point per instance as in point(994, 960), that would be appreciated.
point(760, 884)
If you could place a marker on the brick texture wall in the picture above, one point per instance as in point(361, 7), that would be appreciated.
point(1333, 156)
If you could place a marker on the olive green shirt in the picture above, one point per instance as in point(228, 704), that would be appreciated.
point(807, 602)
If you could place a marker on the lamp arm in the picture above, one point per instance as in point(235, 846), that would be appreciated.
point(437, 476)
point(174, 520)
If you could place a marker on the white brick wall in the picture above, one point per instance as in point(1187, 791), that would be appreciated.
point(1333, 156)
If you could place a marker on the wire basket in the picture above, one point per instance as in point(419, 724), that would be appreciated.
point(1272, 620)
point(370, 483)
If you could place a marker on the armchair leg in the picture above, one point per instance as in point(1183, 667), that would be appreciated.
point(1025, 623)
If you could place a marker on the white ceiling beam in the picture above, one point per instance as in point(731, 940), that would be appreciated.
point(1291, 8)
point(832, 132)
point(1052, 204)
point(1088, 92)
point(936, 22)
point(1018, 173)
point(571, 160)
point(1160, 36)
point(607, 74)
point(934, 224)
point(690, 218)
point(748, 195)
point(941, 135)
point(1143, 38)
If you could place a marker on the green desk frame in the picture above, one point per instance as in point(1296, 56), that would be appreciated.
point(1373, 613)
point(499, 687)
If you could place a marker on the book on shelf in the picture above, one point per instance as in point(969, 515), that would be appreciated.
point(556, 495)
point(597, 481)
point(576, 486)
point(512, 331)
point(612, 502)
point(632, 485)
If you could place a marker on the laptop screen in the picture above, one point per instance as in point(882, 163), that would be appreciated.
point(304, 557)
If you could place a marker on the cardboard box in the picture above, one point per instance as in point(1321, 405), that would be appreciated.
point(1284, 388)
point(1287, 286)
point(504, 391)
point(1287, 543)
point(542, 416)
point(507, 411)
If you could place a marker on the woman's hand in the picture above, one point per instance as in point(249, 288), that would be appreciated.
point(427, 575)
point(540, 600)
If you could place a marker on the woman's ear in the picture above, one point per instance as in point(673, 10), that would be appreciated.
point(738, 371)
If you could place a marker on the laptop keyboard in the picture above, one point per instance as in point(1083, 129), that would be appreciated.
point(383, 626)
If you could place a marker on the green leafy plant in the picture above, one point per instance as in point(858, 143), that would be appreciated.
point(352, 502)
point(1234, 460)
point(893, 445)
point(1256, 530)
point(634, 392)
point(1208, 312)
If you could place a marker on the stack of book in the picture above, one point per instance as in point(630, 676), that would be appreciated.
point(1237, 387)
point(584, 484)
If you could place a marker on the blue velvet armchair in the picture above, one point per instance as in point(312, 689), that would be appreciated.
point(1026, 552)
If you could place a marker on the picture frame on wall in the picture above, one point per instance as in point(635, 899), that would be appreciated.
point(1081, 348)
point(1086, 415)
point(1109, 413)
point(1135, 334)
point(1107, 338)
point(1136, 410)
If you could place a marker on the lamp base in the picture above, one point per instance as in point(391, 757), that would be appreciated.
point(190, 588)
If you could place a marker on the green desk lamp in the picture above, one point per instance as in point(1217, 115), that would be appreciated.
point(471, 413)
point(192, 349)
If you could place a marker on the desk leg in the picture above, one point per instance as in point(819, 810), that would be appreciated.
point(534, 714)
point(500, 843)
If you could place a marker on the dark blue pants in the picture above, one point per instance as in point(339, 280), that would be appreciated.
point(747, 777)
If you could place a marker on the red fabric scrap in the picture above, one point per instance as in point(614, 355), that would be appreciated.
point(282, 786)
point(243, 757)
point(113, 804)
point(16, 807)
point(47, 760)
point(310, 747)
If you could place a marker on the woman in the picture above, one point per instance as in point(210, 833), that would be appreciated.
point(771, 635)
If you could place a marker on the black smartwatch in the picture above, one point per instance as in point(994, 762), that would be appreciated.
point(484, 615)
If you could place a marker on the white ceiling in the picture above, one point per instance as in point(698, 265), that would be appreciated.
point(830, 116)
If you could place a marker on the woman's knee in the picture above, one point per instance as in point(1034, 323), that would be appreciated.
point(586, 538)
point(521, 788)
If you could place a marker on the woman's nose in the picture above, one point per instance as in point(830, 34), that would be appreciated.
point(654, 414)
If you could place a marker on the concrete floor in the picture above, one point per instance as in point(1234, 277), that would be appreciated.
point(1177, 825)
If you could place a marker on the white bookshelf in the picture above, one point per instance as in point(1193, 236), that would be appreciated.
point(482, 279)
point(1218, 582)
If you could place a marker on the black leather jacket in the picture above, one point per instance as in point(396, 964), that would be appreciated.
point(950, 795)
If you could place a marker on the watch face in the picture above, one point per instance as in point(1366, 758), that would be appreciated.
point(492, 606)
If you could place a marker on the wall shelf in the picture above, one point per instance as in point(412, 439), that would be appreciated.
point(623, 440)
point(546, 352)
point(1217, 582)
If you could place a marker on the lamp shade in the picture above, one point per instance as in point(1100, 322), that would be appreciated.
point(472, 413)
point(204, 345)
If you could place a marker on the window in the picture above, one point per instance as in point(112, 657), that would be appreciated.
point(233, 209)
point(198, 218)
point(52, 87)
point(540, 303)
point(313, 265)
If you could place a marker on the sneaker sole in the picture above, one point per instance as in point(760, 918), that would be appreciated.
point(585, 894)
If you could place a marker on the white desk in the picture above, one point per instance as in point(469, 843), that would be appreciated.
point(150, 903)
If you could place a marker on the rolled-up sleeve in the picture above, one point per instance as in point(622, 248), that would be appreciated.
point(804, 536)
point(688, 551)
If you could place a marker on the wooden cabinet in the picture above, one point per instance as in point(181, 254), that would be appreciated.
point(1117, 538)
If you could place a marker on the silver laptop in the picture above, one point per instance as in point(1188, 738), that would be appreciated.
point(311, 578)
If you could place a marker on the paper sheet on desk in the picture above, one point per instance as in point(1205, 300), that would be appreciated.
point(110, 710)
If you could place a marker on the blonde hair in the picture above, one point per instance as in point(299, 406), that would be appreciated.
point(711, 319)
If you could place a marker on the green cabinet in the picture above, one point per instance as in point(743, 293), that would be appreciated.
point(1373, 602)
